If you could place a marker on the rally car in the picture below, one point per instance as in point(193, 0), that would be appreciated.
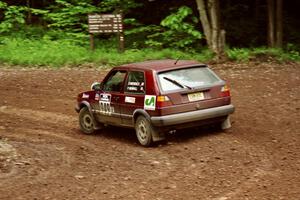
point(156, 97)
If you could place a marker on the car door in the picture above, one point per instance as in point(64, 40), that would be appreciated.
point(134, 93)
point(110, 97)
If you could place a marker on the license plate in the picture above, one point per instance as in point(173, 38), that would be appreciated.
point(196, 96)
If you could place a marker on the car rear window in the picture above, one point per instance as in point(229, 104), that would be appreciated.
point(187, 78)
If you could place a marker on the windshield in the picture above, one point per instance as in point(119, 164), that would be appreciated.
point(187, 78)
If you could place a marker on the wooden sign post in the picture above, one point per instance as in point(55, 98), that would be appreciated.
point(106, 23)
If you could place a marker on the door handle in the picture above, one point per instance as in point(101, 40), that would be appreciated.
point(116, 98)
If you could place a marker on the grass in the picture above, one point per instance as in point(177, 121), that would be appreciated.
point(63, 52)
point(262, 53)
point(46, 51)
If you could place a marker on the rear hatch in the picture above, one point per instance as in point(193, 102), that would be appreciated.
point(189, 89)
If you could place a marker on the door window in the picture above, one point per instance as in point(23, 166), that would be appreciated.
point(135, 83)
point(115, 81)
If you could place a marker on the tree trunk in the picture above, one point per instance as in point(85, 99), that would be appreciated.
point(204, 21)
point(279, 23)
point(256, 11)
point(215, 27)
point(210, 19)
point(271, 26)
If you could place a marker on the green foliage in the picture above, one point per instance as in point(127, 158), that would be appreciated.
point(135, 37)
point(262, 53)
point(123, 6)
point(176, 31)
point(69, 16)
point(43, 52)
point(3, 5)
point(238, 54)
point(14, 17)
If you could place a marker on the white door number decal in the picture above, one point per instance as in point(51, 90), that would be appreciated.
point(150, 102)
point(104, 103)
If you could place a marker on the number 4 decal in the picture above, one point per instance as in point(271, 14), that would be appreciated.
point(150, 102)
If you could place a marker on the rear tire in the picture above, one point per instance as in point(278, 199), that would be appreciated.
point(143, 130)
point(86, 121)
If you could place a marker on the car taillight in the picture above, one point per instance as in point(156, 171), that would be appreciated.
point(162, 101)
point(225, 91)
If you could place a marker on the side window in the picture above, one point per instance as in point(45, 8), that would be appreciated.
point(135, 83)
point(115, 81)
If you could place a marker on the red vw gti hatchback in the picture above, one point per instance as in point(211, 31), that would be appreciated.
point(155, 97)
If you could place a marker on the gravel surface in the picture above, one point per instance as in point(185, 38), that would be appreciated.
point(43, 155)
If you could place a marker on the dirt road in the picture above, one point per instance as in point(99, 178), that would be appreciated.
point(43, 155)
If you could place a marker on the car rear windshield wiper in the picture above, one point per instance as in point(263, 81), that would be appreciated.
point(177, 83)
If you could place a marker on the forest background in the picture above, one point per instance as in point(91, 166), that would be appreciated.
point(55, 32)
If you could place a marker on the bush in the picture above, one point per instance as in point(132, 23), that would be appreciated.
point(263, 53)
point(178, 30)
point(238, 54)
point(64, 52)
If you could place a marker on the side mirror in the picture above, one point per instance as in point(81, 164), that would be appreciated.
point(95, 86)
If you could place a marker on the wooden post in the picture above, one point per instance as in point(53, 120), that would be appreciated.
point(29, 14)
point(92, 42)
point(121, 42)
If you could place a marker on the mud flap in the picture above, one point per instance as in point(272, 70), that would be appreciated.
point(226, 124)
point(157, 135)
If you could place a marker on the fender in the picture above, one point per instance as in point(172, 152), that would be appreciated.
point(138, 112)
point(88, 105)
point(157, 135)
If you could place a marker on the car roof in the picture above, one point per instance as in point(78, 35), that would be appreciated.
point(162, 65)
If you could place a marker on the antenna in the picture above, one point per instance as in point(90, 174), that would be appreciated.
point(177, 60)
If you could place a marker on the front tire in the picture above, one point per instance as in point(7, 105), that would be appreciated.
point(86, 122)
point(143, 130)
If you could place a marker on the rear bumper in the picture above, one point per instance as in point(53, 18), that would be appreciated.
point(192, 116)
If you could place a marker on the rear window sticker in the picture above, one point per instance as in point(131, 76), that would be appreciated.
point(134, 83)
point(150, 102)
point(129, 99)
point(132, 88)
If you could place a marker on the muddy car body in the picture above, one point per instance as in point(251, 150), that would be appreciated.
point(155, 97)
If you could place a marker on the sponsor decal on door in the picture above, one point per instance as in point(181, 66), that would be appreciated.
point(129, 99)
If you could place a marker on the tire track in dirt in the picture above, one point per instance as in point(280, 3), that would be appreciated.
point(56, 118)
point(8, 156)
point(25, 132)
point(263, 169)
point(64, 120)
point(172, 177)
point(33, 163)
point(257, 175)
point(31, 135)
